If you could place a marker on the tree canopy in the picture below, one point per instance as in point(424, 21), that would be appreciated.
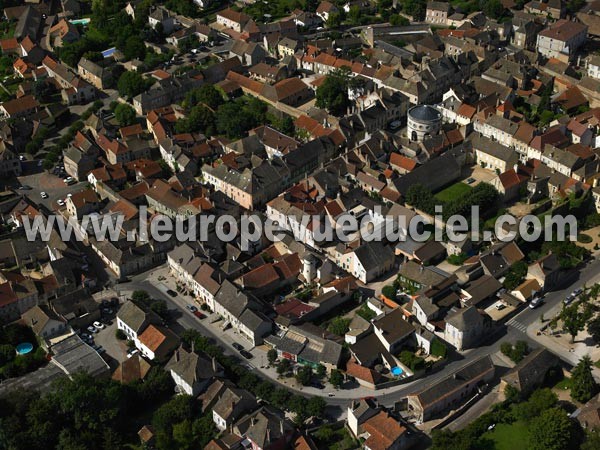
point(131, 84)
point(332, 94)
point(583, 384)
point(124, 114)
point(552, 430)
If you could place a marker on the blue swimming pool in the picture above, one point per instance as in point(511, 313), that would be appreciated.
point(83, 22)
point(24, 348)
point(397, 371)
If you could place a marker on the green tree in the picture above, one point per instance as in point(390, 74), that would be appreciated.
point(272, 356)
point(593, 327)
point(170, 414)
point(539, 401)
point(204, 431)
point(131, 84)
point(336, 378)
point(415, 8)
point(120, 335)
point(183, 435)
point(321, 371)
point(339, 325)
point(134, 48)
point(304, 375)
point(283, 366)
point(140, 296)
point(492, 8)
point(332, 94)
point(573, 320)
point(420, 197)
point(389, 291)
point(592, 441)
point(515, 275)
point(334, 20)
point(201, 118)
point(7, 354)
point(552, 430)
point(512, 394)
point(398, 20)
point(354, 15)
point(583, 385)
point(315, 406)
point(124, 114)
point(207, 95)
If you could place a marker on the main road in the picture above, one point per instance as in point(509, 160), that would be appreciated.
point(516, 330)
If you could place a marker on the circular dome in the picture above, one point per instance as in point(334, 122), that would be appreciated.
point(424, 113)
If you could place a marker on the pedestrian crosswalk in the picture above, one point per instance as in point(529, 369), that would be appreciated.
point(518, 325)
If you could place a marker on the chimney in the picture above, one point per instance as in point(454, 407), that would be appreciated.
point(177, 355)
point(214, 364)
point(281, 427)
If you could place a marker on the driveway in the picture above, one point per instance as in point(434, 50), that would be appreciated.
point(480, 175)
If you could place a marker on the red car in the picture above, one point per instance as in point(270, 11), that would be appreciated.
point(199, 315)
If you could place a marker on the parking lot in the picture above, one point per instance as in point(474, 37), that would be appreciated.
point(54, 186)
point(113, 350)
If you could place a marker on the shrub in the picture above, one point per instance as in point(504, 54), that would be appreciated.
point(584, 238)
point(120, 335)
point(389, 291)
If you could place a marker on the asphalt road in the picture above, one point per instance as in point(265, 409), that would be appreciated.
point(390, 396)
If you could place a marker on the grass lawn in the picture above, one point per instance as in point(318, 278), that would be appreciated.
point(457, 190)
point(563, 384)
point(509, 437)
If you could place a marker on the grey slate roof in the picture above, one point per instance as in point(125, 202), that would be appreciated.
point(373, 254)
point(531, 370)
point(193, 367)
point(455, 381)
point(135, 317)
point(465, 318)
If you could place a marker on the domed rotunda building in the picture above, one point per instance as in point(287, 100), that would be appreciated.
point(423, 120)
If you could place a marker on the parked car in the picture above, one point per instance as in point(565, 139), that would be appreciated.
point(246, 354)
point(577, 292)
point(132, 352)
point(192, 308)
point(537, 301)
point(70, 180)
point(237, 346)
point(470, 180)
point(60, 202)
point(199, 315)
point(92, 329)
point(43, 194)
point(569, 299)
point(98, 325)
point(171, 292)
point(25, 187)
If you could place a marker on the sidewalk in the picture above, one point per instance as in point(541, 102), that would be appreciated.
point(162, 280)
